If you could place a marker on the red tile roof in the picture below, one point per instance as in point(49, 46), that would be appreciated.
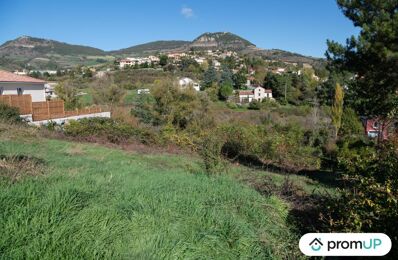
point(246, 92)
point(268, 90)
point(6, 76)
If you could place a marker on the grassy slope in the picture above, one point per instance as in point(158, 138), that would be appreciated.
point(99, 202)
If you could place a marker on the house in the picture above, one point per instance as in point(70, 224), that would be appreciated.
point(188, 82)
point(257, 94)
point(279, 70)
point(143, 91)
point(126, 62)
point(373, 127)
point(13, 84)
point(216, 64)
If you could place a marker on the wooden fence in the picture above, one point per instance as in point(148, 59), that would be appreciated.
point(22, 102)
point(45, 110)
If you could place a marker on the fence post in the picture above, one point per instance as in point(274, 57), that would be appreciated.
point(48, 110)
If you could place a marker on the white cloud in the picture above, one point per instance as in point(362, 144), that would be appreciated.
point(187, 12)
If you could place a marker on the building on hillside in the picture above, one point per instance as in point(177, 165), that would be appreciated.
point(188, 82)
point(23, 72)
point(143, 91)
point(280, 70)
point(13, 84)
point(126, 62)
point(257, 94)
point(373, 127)
point(216, 64)
point(200, 60)
point(138, 61)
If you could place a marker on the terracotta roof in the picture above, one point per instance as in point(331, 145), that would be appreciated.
point(268, 90)
point(245, 92)
point(6, 76)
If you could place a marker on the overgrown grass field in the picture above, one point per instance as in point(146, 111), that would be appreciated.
point(94, 202)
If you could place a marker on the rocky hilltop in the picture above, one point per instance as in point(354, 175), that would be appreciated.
point(220, 40)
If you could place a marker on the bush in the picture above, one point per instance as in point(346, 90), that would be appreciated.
point(254, 105)
point(109, 129)
point(9, 114)
point(232, 105)
point(369, 202)
point(210, 152)
point(287, 147)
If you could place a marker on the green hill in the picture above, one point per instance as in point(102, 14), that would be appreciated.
point(39, 53)
point(33, 45)
point(152, 47)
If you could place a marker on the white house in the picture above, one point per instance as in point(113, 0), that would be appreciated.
point(257, 94)
point(188, 82)
point(143, 91)
point(13, 84)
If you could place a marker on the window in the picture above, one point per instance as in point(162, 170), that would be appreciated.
point(19, 91)
point(376, 125)
point(1, 90)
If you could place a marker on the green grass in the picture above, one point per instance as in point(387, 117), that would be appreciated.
point(96, 202)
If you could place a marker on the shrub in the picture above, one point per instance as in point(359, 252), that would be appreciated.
point(9, 114)
point(369, 202)
point(254, 105)
point(210, 152)
point(112, 130)
point(286, 147)
point(232, 105)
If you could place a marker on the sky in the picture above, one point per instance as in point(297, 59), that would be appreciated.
point(292, 25)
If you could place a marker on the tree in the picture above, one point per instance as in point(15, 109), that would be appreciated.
point(108, 94)
point(225, 90)
point(68, 93)
point(226, 76)
point(163, 59)
point(372, 56)
point(239, 80)
point(209, 77)
point(337, 108)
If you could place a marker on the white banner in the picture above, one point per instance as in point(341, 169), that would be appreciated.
point(345, 244)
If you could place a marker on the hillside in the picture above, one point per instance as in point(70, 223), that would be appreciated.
point(36, 53)
point(152, 47)
point(220, 40)
point(85, 201)
point(46, 54)
point(281, 55)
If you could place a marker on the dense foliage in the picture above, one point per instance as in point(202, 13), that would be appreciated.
point(9, 114)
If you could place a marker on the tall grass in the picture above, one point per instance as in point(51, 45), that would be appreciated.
point(104, 203)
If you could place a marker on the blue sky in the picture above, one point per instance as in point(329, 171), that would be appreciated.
point(298, 26)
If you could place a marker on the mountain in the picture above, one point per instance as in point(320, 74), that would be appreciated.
point(30, 52)
point(220, 40)
point(36, 46)
point(152, 47)
point(281, 55)
point(48, 54)
point(206, 41)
